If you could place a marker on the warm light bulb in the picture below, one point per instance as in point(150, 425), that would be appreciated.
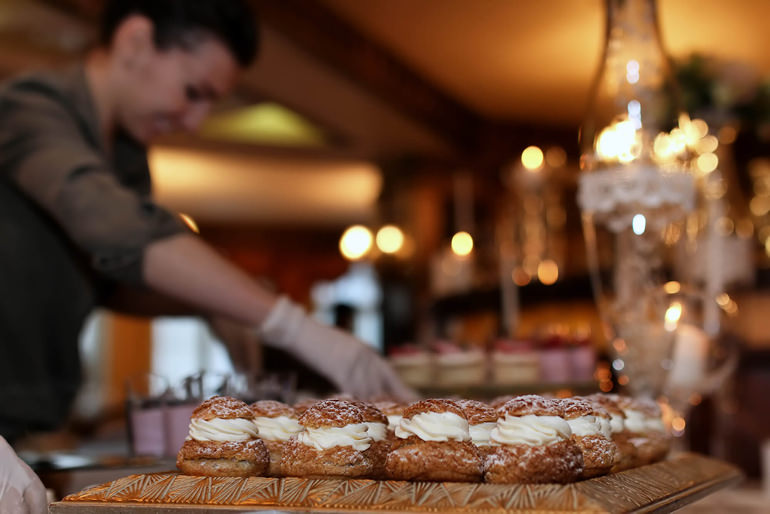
point(708, 144)
point(462, 244)
point(672, 287)
point(673, 314)
point(707, 162)
point(700, 127)
point(619, 142)
point(547, 272)
point(390, 239)
point(356, 242)
point(532, 158)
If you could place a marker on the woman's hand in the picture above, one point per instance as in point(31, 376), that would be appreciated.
point(349, 363)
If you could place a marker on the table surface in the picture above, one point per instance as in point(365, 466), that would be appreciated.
point(663, 487)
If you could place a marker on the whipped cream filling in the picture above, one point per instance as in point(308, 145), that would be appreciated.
point(219, 429)
point(377, 431)
point(280, 428)
point(530, 430)
point(393, 421)
point(434, 426)
point(480, 433)
point(616, 423)
point(590, 425)
point(639, 422)
point(355, 435)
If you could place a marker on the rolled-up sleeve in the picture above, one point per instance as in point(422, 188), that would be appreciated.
point(45, 151)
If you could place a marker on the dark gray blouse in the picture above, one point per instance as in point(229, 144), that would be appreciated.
point(73, 220)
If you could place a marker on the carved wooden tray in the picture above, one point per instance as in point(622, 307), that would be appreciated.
point(664, 486)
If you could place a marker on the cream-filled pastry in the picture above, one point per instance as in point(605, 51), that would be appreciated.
point(223, 441)
point(277, 423)
point(377, 429)
point(591, 431)
point(532, 443)
point(626, 455)
point(482, 419)
point(433, 443)
point(394, 411)
point(645, 429)
point(333, 443)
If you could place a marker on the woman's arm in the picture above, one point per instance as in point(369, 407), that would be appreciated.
point(185, 268)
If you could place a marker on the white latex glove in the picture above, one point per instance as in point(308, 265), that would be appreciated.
point(21, 491)
point(350, 364)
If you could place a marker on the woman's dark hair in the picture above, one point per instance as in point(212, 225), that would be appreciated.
point(181, 23)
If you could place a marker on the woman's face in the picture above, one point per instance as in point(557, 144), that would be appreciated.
point(173, 89)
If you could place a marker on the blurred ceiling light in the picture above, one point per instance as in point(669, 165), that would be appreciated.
point(700, 127)
point(678, 425)
point(759, 205)
point(555, 157)
point(727, 135)
point(708, 144)
point(632, 71)
point(390, 239)
point(672, 287)
point(356, 242)
point(265, 123)
point(462, 244)
point(190, 223)
point(673, 314)
point(619, 142)
point(520, 277)
point(707, 162)
point(532, 158)
point(639, 224)
point(548, 272)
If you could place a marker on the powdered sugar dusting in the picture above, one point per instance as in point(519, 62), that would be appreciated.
point(224, 407)
point(530, 404)
point(272, 409)
point(477, 412)
point(576, 407)
point(433, 405)
point(332, 413)
point(608, 401)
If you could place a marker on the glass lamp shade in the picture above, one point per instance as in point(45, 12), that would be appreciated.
point(634, 190)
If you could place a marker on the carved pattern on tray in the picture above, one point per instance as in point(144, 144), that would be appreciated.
point(646, 486)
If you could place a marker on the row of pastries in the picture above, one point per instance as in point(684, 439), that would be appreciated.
point(520, 439)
